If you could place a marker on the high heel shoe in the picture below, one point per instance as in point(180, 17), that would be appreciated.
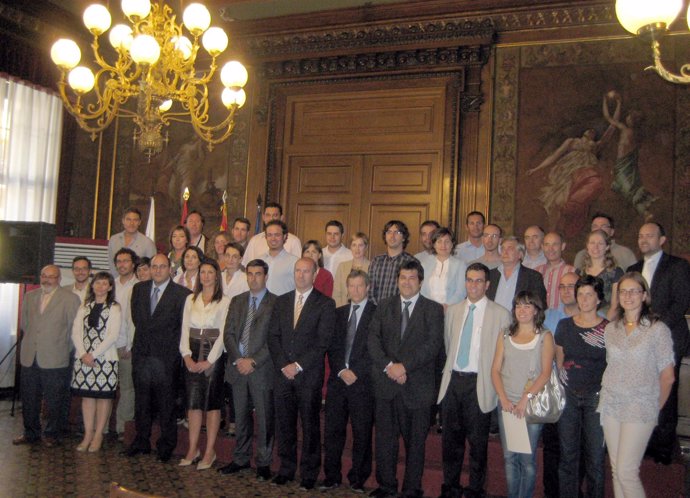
point(82, 447)
point(186, 463)
point(95, 445)
point(204, 465)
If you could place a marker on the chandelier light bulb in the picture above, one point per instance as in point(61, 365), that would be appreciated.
point(145, 50)
point(120, 37)
point(97, 19)
point(234, 75)
point(232, 97)
point(214, 41)
point(81, 79)
point(136, 9)
point(636, 14)
point(165, 105)
point(65, 53)
point(196, 18)
point(183, 46)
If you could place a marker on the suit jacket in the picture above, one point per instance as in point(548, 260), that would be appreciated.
point(455, 283)
point(306, 343)
point(360, 362)
point(47, 336)
point(417, 351)
point(496, 319)
point(528, 280)
point(671, 297)
point(157, 335)
point(262, 375)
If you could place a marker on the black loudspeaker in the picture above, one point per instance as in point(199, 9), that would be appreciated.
point(25, 248)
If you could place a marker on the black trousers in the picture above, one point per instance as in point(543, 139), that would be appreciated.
point(154, 389)
point(551, 455)
point(293, 401)
point(356, 403)
point(463, 419)
point(394, 419)
point(663, 442)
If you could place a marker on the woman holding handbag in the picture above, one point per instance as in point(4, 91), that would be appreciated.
point(521, 368)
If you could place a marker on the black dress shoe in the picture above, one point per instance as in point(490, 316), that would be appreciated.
point(328, 484)
point(307, 484)
point(381, 493)
point(280, 480)
point(233, 468)
point(134, 451)
point(357, 487)
point(50, 442)
point(164, 456)
point(263, 473)
point(20, 440)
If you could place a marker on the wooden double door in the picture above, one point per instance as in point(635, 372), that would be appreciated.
point(365, 153)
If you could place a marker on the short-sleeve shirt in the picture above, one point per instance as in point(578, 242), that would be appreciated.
point(630, 385)
point(584, 355)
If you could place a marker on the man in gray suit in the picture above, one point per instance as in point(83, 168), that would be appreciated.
point(250, 371)
point(46, 323)
point(471, 330)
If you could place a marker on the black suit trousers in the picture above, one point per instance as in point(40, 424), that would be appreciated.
point(356, 403)
point(463, 419)
point(154, 387)
point(292, 399)
point(394, 419)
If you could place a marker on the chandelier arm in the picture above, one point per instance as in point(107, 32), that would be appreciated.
point(207, 133)
point(658, 67)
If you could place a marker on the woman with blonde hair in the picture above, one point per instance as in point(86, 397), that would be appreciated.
point(599, 262)
point(359, 244)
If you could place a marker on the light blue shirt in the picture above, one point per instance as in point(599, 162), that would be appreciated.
point(259, 297)
point(505, 293)
point(467, 251)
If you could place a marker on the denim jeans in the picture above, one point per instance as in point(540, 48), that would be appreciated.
point(521, 468)
point(580, 433)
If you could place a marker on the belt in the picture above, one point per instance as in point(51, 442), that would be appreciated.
point(464, 374)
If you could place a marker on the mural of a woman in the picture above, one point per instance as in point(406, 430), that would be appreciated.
point(574, 180)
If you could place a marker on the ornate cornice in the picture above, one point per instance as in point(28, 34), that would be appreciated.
point(377, 62)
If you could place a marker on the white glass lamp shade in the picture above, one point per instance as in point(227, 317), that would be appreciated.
point(120, 37)
point(196, 18)
point(687, 18)
point(183, 46)
point(145, 50)
point(232, 97)
point(81, 79)
point(165, 106)
point(65, 53)
point(214, 41)
point(635, 14)
point(234, 75)
point(136, 9)
point(97, 19)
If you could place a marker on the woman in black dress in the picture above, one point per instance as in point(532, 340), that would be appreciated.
point(94, 333)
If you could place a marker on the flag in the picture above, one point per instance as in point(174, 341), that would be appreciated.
point(151, 223)
point(224, 213)
point(185, 196)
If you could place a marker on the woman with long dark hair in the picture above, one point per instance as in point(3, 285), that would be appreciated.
point(94, 334)
point(636, 383)
point(522, 366)
point(188, 273)
point(201, 347)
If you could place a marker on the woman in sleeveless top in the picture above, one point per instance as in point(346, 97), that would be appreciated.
point(94, 334)
point(522, 366)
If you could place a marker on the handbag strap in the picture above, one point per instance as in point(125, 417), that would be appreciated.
point(535, 356)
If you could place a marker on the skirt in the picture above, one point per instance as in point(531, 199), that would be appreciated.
point(99, 381)
point(205, 390)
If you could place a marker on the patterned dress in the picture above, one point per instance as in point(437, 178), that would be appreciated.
point(99, 381)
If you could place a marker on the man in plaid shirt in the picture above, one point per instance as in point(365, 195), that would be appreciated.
point(383, 270)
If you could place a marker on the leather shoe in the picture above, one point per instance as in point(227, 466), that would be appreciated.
point(263, 473)
point(307, 484)
point(232, 468)
point(20, 440)
point(381, 493)
point(164, 456)
point(357, 487)
point(134, 451)
point(328, 484)
point(280, 480)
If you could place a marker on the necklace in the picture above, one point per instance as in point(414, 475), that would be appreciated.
point(631, 323)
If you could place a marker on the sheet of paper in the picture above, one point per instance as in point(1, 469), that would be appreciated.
point(516, 436)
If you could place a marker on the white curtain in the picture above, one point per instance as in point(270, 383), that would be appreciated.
point(30, 136)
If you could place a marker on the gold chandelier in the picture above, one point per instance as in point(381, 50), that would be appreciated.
point(651, 19)
point(156, 64)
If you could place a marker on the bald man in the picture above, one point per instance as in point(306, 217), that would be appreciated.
point(46, 324)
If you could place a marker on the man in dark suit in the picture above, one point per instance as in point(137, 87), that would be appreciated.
point(405, 340)
point(156, 307)
point(349, 388)
point(471, 330)
point(250, 371)
point(301, 330)
point(669, 285)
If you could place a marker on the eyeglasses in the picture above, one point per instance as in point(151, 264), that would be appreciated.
point(490, 235)
point(393, 232)
point(630, 292)
point(564, 286)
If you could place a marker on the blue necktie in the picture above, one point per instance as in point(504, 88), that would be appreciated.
point(351, 331)
point(244, 338)
point(154, 298)
point(466, 340)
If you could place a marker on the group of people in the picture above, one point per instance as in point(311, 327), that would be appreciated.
point(475, 328)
